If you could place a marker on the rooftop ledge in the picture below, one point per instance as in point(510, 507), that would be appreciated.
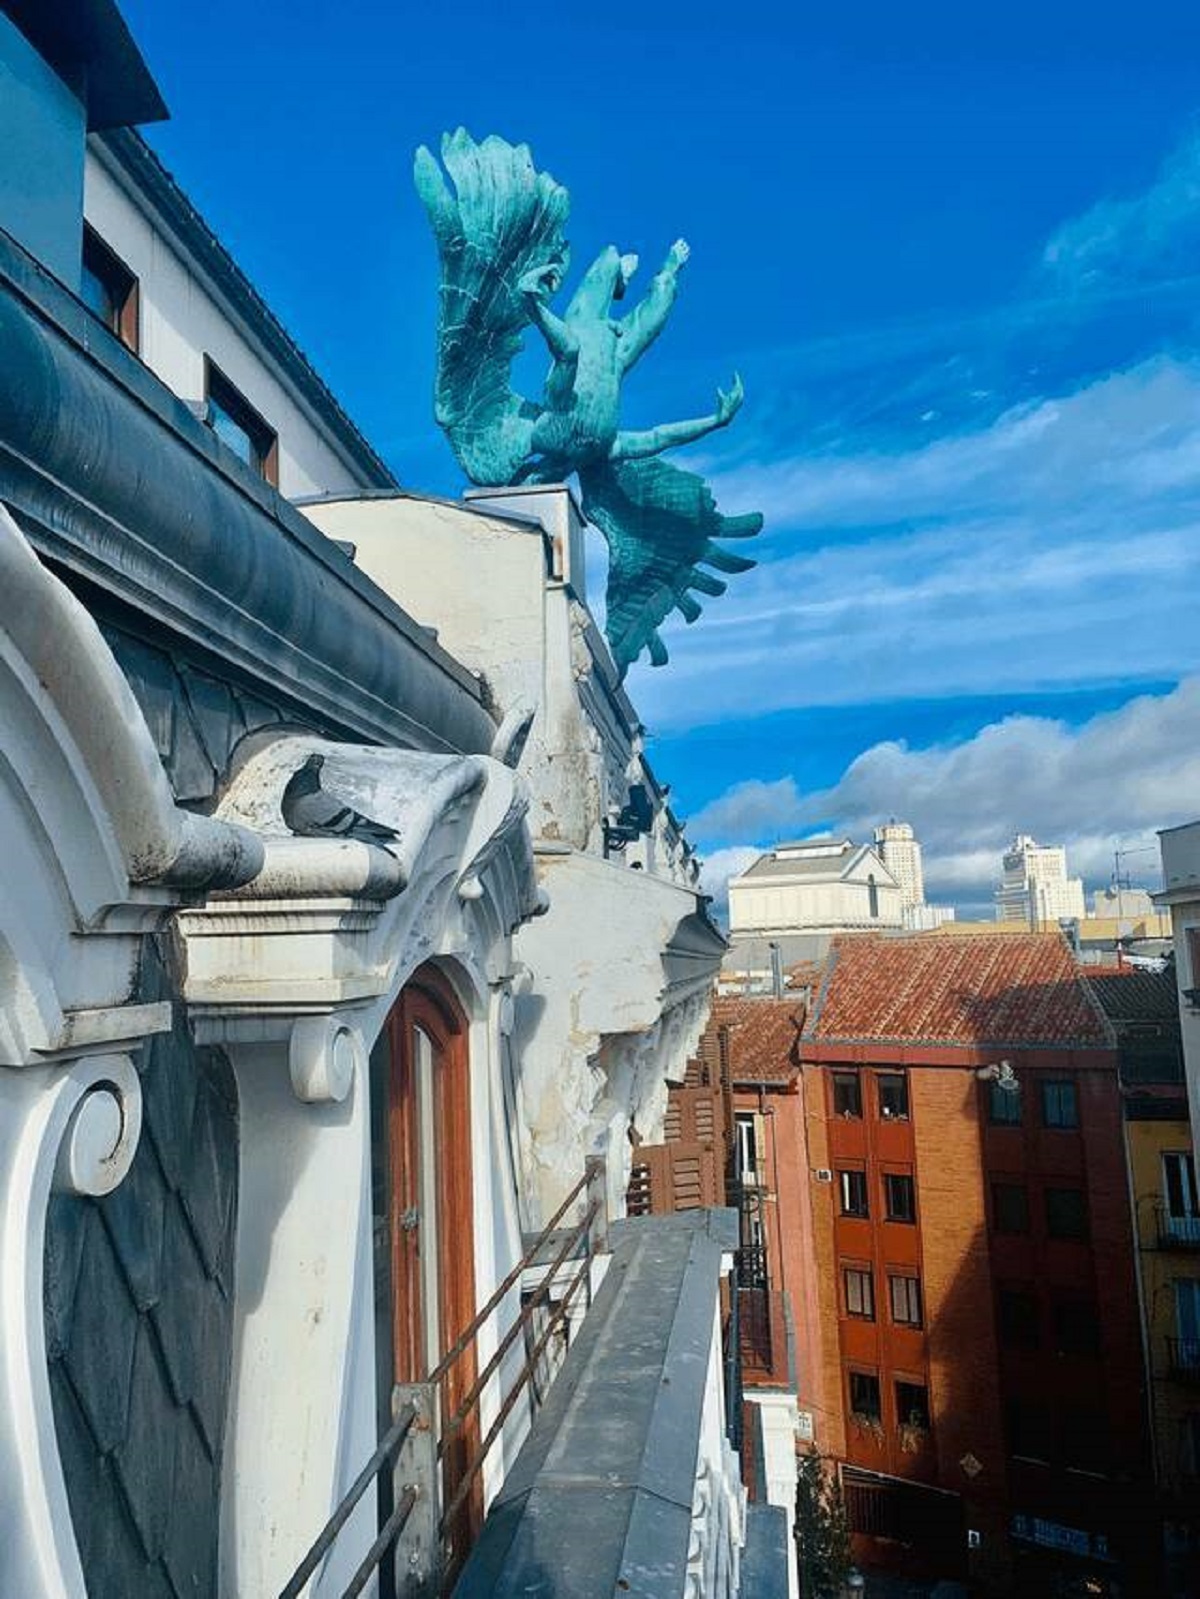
point(117, 483)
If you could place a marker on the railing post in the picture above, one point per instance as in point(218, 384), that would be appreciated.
point(596, 1170)
point(418, 1550)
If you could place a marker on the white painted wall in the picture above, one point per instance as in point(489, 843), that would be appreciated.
point(1181, 891)
point(183, 319)
point(756, 905)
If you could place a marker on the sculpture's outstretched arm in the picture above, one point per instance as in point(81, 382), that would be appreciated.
point(647, 320)
point(636, 446)
point(535, 286)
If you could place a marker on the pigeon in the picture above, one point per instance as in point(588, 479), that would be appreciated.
point(312, 811)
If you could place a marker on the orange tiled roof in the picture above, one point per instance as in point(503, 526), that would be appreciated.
point(763, 1035)
point(1006, 989)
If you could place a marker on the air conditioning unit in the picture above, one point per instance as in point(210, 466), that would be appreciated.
point(823, 1174)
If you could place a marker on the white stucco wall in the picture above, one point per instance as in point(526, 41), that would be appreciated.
point(183, 320)
point(1181, 892)
point(757, 906)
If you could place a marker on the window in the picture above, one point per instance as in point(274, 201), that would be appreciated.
point(747, 1150)
point(1059, 1106)
point(1085, 1441)
point(1066, 1213)
point(900, 1196)
point(906, 1301)
point(854, 1193)
point(912, 1405)
point(1076, 1326)
point(893, 1096)
point(1004, 1106)
point(1179, 1186)
point(238, 425)
point(847, 1094)
point(872, 897)
point(1010, 1208)
point(109, 289)
point(864, 1396)
point(1030, 1430)
point(1189, 1444)
point(860, 1292)
point(1018, 1317)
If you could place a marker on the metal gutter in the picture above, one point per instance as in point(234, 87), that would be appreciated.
point(117, 482)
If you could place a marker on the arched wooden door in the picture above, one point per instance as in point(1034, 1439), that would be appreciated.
point(430, 1215)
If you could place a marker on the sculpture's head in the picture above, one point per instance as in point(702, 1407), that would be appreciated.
point(604, 281)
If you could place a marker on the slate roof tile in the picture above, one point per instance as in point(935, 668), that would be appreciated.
point(145, 1461)
point(104, 1324)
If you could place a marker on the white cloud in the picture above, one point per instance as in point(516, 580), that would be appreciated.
point(1152, 236)
point(1118, 777)
point(719, 867)
point(1056, 546)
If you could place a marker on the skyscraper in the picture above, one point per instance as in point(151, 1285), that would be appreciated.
point(896, 845)
point(1035, 887)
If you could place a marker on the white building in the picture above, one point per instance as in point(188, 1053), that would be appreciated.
point(897, 847)
point(1035, 887)
point(815, 886)
point(284, 1116)
point(1181, 895)
point(1123, 904)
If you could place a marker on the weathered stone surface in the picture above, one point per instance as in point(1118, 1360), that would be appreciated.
point(66, 1225)
point(133, 1219)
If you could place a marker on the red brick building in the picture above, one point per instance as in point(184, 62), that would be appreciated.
point(977, 1326)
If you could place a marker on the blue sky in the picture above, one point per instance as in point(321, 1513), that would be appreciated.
point(954, 253)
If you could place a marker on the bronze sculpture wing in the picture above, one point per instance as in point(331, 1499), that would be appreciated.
point(659, 522)
point(501, 220)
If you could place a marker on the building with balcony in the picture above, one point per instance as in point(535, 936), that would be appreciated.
point(955, 1233)
point(1181, 897)
point(331, 1004)
point(1143, 1009)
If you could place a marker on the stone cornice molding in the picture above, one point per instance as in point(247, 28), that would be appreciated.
point(330, 927)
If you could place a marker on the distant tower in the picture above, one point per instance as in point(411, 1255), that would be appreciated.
point(897, 847)
point(1035, 887)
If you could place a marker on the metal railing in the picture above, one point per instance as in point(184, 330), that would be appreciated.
point(1177, 1232)
point(1184, 1357)
point(417, 1531)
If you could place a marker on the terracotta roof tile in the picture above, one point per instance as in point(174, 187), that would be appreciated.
point(1006, 989)
point(1135, 994)
point(763, 1036)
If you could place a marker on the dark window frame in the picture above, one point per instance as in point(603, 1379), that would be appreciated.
point(905, 1406)
point(1075, 1320)
point(910, 1293)
point(1054, 1227)
point(1002, 1103)
point(1000, 1217)
point(119, 282)
point(864, 1286)
point(1054, 1094)
point(905, 1215)
point(859, 1385)
point(884, 1078)
point(221, 394)
point(1018, 1316)
point(847, 1086)
point(859, 1176)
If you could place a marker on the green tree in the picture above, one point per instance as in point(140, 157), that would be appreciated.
point(822, 1531)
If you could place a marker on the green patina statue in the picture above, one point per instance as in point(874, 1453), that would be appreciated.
point(503, 257)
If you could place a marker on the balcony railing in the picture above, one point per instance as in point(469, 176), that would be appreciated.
point(765, 1336)
point(1184, 1357)
point(1177, 1232)
point(420, 1536)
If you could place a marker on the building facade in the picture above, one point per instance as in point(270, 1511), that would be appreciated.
point(317, 1002)
point(1142, 1007)
point(897, 847)
point(816, 886)
point(1035, 888)
point(967, 1325)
